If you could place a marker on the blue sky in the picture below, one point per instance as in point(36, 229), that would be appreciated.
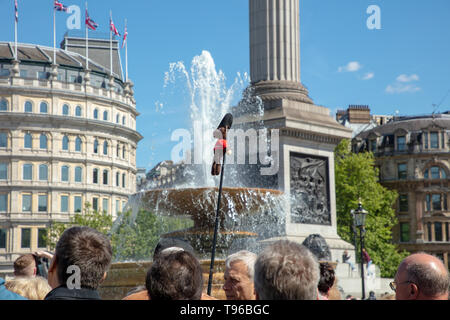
point(404, 66)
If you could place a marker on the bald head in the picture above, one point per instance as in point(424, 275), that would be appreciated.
point(422, 276)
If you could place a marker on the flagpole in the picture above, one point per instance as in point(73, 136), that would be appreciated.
point(15, 33)
point(126, 52)
point(110, 42)
point(87, 40)
point(54, 34)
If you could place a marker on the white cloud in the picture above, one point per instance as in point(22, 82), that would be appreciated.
point(402, 88)
point(368, 76)
point(405, 78)
point(350, 67)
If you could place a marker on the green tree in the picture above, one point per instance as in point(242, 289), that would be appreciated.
point(357, 178)
point(135, 238)
point(100, 221)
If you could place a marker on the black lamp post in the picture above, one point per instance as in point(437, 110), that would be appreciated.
point(359, 216)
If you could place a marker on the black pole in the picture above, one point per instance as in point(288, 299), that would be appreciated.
point(361, 240)
point(216, 227)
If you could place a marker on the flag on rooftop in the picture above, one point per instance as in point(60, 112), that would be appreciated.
point(113, 27)
point(90, 23)
point(59, 6)
point(16, 10)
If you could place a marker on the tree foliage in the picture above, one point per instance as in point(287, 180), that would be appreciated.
point(357, 178)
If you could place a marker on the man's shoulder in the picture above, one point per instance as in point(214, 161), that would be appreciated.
point(64, 293)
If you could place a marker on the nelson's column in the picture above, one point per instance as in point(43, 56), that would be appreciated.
point(308, 134)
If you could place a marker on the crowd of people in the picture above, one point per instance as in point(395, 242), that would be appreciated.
point(284, 270)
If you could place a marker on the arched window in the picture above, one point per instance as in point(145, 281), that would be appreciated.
point(78, 143)
point(43, 141)
point(43, 107)
point(117, 179)
point(95, 114)
point(3, 104)
point(28, 106)
point(435, 172)
point(105, 115)
point(28, 141)
point(65, 174)
point(95, 176)
point(105, 148)
point(117, 118)
point(78, 112)
point(65, 143)
point(118, 150)
point(123, 180)
point(78, 174)
point(105, 177)
point(123, 152)
point(43, 172)
point(123, 120)
point(95, 146)
point(65, 110)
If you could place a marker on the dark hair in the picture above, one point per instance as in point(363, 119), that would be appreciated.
point(86, 248)
point(327, 277)
point(165, 243)
point(23, 266)
point(175, 275)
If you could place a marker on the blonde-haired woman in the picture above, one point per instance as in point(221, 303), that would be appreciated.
point(32, 288)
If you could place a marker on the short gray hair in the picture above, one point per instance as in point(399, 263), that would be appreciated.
point(249, 258)
point(430, 282)
point(286, 270)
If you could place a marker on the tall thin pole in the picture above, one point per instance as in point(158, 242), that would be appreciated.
point(361, 240)
point(126, 52)
point(110, 43)
point(54, 35)
point(216, 227)
point(87, 41)
point(15, 29)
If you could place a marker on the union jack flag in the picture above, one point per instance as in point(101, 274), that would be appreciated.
point(59, 6)
point(113, 28)
point(125, 35)
point(90, 23)
point(16, 11)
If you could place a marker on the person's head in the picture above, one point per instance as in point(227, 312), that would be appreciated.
point(32, 288)
point(86, 249)
point(286, 270)
point(327, 278)
point(421, 276)
point(238, 276)
point(175, 275)
point(165, 243)
point(25, 266)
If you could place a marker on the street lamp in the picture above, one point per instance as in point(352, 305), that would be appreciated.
point(359, 218)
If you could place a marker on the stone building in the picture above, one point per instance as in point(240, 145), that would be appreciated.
point(67, 136)
point(413, 157)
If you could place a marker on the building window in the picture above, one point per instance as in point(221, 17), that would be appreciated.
point(26, 203)
point(105, 148)
point(28, 106)
point(434, 140)
point(438, 231)
point(78, 143)
point(25, 242)
point(78, 174)
point(65, 174)
point(447, 234)
point(95, 176)
point(64, 204)
point(425, 139)
point(105, 205)
point(95, 146)
point(105, 177)
point(27, 171)
point(118, 150)
point(403, 202)
point(42, 75)
point(117, 206)
point(65, 110)
point(95, 204)
point(373, 145)
point(3, 140)
point(3, 105)
point(43, 107)
point(123, 180)
point(42, 203)
point(429, 231)
point(404, 232)
point(436, 200)
point(65, 143)
point(2, 239)
point(42, 234)
point(105, 115)
point(123, 120)
point(43, 141)
point(3, 202)
point(95, 114)
point(43, 172)
point(401, 143)
point(445, 202)
point(28, 141)
point(77, 204)
point(402, 171)
point(117, 118)
point(78, 111)
point(123, 152)
point(3, 171)
point(117, 179)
